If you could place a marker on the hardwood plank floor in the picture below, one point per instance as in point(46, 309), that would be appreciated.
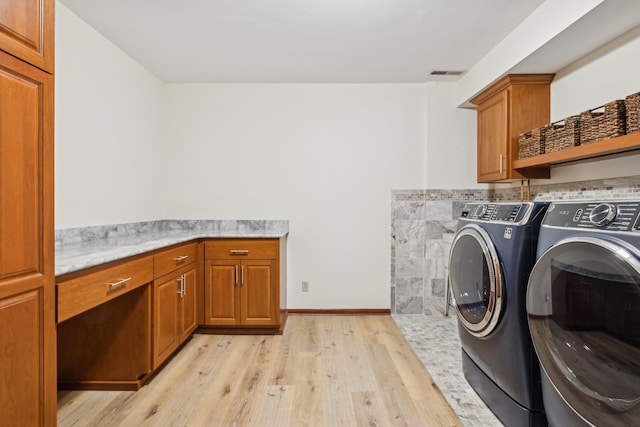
point(324, 371)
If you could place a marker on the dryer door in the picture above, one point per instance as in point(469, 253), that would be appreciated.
point(583, 305)
point(476, 280)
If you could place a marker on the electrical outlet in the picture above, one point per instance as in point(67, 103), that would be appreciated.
point(305, 286)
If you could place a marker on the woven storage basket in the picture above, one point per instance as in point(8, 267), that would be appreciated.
point(632, 103)
point(531, 143)
point(596, 125)
point(562, 134)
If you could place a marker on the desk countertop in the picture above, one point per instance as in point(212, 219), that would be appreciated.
point(81, 248)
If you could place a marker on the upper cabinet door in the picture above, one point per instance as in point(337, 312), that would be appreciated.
point(26, 31)
point(26, 179)
point(493, 138)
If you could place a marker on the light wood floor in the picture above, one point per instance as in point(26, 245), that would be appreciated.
point(324, 371)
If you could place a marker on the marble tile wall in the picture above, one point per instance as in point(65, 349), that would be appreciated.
point(419, 218)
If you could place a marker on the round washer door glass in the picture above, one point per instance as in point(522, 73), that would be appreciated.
point(476, 280)
point(583, 306)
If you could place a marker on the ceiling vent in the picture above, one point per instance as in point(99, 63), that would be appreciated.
point(446, 73)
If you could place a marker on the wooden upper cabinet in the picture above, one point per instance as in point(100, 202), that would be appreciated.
point(514, 104)
point(26, 31)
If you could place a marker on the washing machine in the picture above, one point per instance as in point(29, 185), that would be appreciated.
point(583, 307)
point(491, 257)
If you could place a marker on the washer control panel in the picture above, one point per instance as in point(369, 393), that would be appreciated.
point(496, 212)
point(618, 215)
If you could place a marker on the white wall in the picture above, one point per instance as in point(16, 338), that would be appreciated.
point(109, 115)
point(451, 140)
point(129, 148)
point(609, 73)
point(323, 156)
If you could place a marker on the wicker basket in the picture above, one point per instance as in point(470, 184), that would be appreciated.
point(598, 125)
point(632, 103)
point(531, 143)
point(562, 134)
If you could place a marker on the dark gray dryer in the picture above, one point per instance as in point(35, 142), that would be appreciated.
point(491, 257)
point(583, 305)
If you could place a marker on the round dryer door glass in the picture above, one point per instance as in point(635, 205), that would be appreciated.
point(583, 305)
point(476, 281)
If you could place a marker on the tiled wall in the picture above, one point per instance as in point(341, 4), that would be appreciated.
point(419, 218)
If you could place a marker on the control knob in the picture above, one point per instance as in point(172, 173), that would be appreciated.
point(603, 214)
point(480, 211)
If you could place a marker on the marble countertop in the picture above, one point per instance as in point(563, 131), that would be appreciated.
point(81, 248)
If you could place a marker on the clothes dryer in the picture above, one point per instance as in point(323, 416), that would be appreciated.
point(491, 257)
point(583, 304)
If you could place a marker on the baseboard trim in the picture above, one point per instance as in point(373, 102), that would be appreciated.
point(340, 311)
point(238, 330)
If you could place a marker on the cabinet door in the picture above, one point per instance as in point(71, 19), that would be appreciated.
point(188, 303)
point(260, 292)
point(493, 138)
point(27, 294)
point(222, 295)
point(166, 321)
point(21, 375)
point(26, 31)
point(24, 136)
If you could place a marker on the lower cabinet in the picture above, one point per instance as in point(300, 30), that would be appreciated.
point(118, 323)
point(174, 308)
point(174, 299)
point(242, 282)
point(21, 338)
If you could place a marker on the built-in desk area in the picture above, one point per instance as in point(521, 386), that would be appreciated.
point(129, 296)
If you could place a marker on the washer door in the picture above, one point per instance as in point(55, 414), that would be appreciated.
point(476, 280)
point(583, 305)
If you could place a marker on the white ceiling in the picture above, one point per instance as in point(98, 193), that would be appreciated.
point(304, 41)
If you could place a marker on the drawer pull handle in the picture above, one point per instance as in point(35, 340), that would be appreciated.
point(239, 251)
point(181, 258)
point(119, 282)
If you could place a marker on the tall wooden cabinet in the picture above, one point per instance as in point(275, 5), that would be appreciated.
point(27, 295)
point(514, 104)
point(242, 283)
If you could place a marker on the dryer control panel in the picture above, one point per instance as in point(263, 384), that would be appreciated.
point(497, 212)
point(619, 215)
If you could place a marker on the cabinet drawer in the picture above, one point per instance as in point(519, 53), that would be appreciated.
point(172, 259)
point(85, 292)
point(242, 248)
